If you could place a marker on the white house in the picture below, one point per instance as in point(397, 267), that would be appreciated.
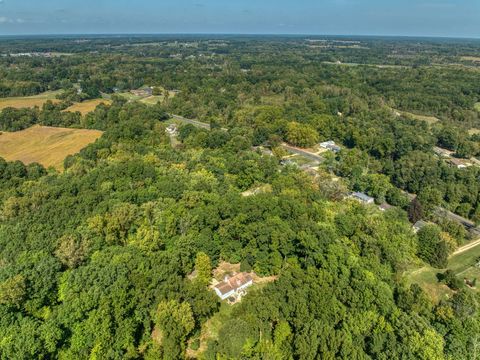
point(330, 145)
point(364, 198)
point(232, 286)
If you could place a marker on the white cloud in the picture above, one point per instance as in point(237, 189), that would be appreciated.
point(6, 20)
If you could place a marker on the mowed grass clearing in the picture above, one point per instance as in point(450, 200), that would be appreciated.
point(462, 264)
point(22, 102)
point(46, 145)
point(87, 106)
point(426, 118)
point(148, 100)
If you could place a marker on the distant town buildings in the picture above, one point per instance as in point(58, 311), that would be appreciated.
point(233, 288)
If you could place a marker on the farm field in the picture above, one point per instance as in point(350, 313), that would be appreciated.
point(29, 101)
point(87, 106)
point(462, 264)
point(470, 58)
point(48, 146)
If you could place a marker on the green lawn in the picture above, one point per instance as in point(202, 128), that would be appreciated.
point(211, 328)
point(148, 100)
point(426, 277)
point(462, 264)
point(426, 118)
point(129, 96)
point(152, 100)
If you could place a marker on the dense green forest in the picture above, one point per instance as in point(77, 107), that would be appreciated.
point(95, 261)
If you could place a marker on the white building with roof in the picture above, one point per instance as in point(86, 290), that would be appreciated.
point(233, 286)
point(364, 198)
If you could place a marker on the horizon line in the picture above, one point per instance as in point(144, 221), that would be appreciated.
point(238, 34)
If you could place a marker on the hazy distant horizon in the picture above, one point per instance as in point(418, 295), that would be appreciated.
point(199, 34)
point(412, 18)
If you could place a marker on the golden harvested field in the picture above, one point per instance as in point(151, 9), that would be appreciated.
point(29, 101)
point(87, 106)
point(46, 145)
point(471, 58)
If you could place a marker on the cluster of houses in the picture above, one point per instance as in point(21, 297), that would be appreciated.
point(30, 54)
point(233, 288)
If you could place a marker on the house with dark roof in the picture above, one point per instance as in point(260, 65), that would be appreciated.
point(234, 286)
point(419, 225)
point(385, 206)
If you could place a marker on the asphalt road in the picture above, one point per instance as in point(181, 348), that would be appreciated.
point(465, 222)
point(314, 157)
point(191, 121)
point(301, 152)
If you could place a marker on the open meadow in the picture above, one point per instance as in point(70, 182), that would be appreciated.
point(48, 146)
point(463, 264)
point(429, 119)
point(474, 59)
point(87, 106)
point(148, 99)
point(29, 101)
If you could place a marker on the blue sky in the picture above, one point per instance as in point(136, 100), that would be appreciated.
point(455, 18)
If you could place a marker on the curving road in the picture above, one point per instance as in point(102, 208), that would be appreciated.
point(191, 121)
point(302, 152)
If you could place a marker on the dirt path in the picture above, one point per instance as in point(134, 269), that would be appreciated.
point(467, 247)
